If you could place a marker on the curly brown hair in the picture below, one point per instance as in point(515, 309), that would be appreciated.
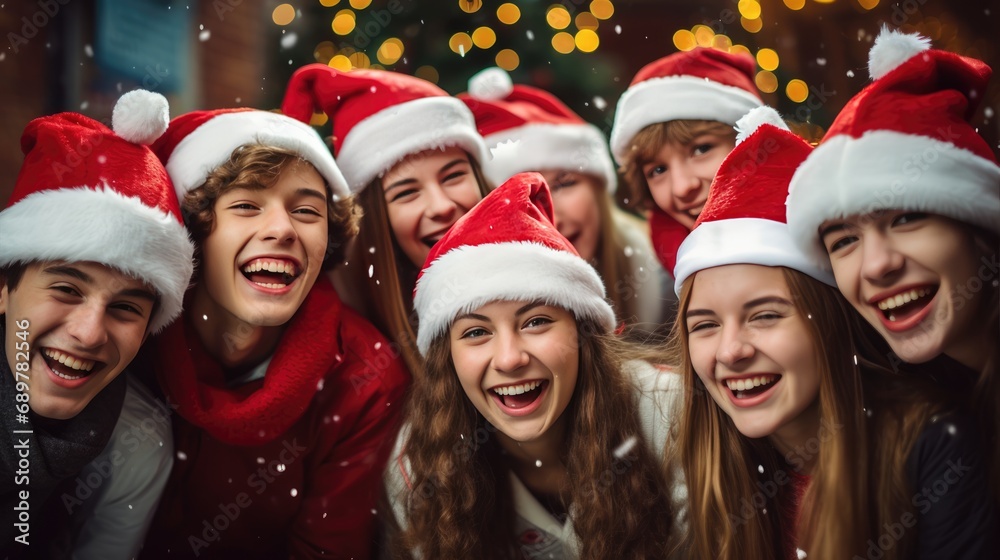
point(457, 508)
point(254, 166)
point(648, 142)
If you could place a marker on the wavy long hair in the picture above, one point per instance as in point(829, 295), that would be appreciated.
point(870, 418)
point(458, 504)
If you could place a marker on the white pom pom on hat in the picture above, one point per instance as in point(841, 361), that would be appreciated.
point(490, 84)
point(754, 119)
point(893, 48)
point(140, 116)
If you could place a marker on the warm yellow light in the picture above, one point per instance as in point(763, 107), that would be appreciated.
point(868, 4)
point(602, 9)
point(508, 13)
point(507, 59)
point(329, 3)
point(751, 25)
point(283, 14)
point(324, 51)
point(795, 4)
point(825, 1)
point(484, 37)
point(428, 73)
point(360, 60)
point(460, 43)
point(469, 6)
point(684, 40)
point(766, 81)
point(767, 59)
point(318, 119)
point(340, 62)
point(558, 17)
point(740, 49)
point(703, 35)
point(343, 22)
point(722, 42)
point(586, 20)
point(749, 9)
point(587, 40)
point(563, 43)
point(390, 51)
point(360, 4)
point(797, 90)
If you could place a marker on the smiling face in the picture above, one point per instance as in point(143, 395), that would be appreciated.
point(575, 202)
point(425, 194)
point(751, 349)
point(86, 322)
point(266, 248)
point(518, 364)
point(679, 175)
point(909, 274)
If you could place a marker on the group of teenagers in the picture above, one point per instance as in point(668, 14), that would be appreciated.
point(444, 340)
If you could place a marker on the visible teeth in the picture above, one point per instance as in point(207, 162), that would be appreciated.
point(517, 389)
point(750, 382)
point(69, 361)
point(271, 286)
point(897, 300)
point(270, 265)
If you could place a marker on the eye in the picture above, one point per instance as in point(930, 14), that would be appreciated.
point(702, 148)
point(535, 322)
point(766, 316)
point(129, 308)
point(400, 194)
point(475, 332)
point(701, 326)
point(452, 177)
point(67, 289)
point(308, 210)
point(908, 218)
point(243, 207)
point(654, 171)
point(837, 243)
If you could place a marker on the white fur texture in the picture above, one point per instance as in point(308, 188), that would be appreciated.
point(580, 148)
point(140, 116)
point(469, 277)
point(891, 49)
point(101, 225)
point(491, 84)
point(758, 116)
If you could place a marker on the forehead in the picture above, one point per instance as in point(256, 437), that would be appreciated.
point(87, 272)
point(735, 284)
point(427, 161)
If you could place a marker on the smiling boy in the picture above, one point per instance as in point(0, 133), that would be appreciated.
point(94, 259)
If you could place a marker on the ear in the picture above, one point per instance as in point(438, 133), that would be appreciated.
point(4, 296)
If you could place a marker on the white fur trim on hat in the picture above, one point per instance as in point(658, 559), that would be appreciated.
point(884, 170)
point(382, 140)
point(211, 144)
point(672, 98)
point(471, 276)
point(103, 226)
point(742, 241)
point(539, 147)
point(756, 118)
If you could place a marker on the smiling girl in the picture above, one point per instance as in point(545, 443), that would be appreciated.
point(528, 129)
point(913, 239)
point(797, 438)
point(412, 155)
point(530, 435)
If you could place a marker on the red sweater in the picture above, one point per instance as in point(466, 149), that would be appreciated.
point(285, 466)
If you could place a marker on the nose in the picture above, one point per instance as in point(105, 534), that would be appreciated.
point(440, 207)
point(278, 226)
point(509, 354)
point(86, 325)
point(733, 348)
point(880, 260)
point(684, 183)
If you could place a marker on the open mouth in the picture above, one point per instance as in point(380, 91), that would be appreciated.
point(750, 387)
point(520, 396)
point(903, 306)
point(67, 366)
point(270, 273)
point(431, 240)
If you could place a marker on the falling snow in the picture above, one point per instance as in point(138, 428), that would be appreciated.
point(204, 35)
point(622, 450)
point(538, 462)
point(850, 73)
point(84, 105)
point(319, 385)
point(281, 467)
point(289, 40)
point(800, 553)
point(618, 29)
point(371, 270)
point(988, 112)
point(821, 61)
point(600, 103)
point(952, 430)
point(531, 35)
point(378, 345)
point(88, 50)
point(182, 456)
point(260, 460)
point(760, 469)
point(294, 492)
point(629, 251)
point(102, 158)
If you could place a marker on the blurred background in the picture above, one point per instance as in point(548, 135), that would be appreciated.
point(80, 55)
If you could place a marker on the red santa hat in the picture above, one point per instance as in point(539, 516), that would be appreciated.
point(89, 193)
point(528, 129)
point(700, 84)
point(198, 142)
point(743, 221)
point(904, 142)
point(380, 117)
point(506, 249)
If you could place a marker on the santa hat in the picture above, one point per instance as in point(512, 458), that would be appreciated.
point(198, 142)
point(528, 129)
point(903, 142)
point(700, 84)
point(743, 221)
point(506, 249)
point(87, 193)
point(380, 117)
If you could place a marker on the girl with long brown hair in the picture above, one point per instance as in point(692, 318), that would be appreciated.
point(412, 155)
point(528, 434)
point(797, 438)
point(529, 129)
point(913, 238)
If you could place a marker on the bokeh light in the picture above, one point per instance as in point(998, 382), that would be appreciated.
point(768, 59)
point(507, 59)
point(587, 40)
point(602, 9)
point(508, 13)
point(563, 42)
point(684, 40)
point(390, 51)
point(797, 90)
point(470, 6)
point(343, 22)
point(766, 81)
point(460, 43)
point(484, 37)
point(283, 14)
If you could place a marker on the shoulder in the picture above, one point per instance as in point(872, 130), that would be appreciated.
point(143, 434)
point(660, 393)
point(371, 363)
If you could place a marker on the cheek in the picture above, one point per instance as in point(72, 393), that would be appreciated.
point(403, 219)
point(467, 196)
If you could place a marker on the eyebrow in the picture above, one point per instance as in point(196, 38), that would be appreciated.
point(748, 305)
point(313, 193)
point(831, 229)
point(521, 311)
point(73, 272)
point(411, 180)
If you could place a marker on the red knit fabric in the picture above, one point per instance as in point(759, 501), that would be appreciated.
point(790, 511)
point(736, 70)
point(667, 234)
point(523, 105)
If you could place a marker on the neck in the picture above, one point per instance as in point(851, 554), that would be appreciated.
point(234, 343)
point(973, 352)
point(539, 459)
point(798, 440)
